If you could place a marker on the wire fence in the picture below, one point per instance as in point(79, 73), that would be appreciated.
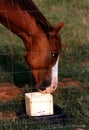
point(71, 99)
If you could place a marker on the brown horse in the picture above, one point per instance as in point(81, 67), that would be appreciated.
point(41, 40)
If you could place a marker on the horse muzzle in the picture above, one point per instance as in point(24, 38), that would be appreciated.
point(50, 86)
point(43, 85)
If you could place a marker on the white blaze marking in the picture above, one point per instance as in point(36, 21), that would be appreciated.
point(54, 74)
point(54, 82)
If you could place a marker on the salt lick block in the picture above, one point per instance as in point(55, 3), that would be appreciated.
point(38, 104)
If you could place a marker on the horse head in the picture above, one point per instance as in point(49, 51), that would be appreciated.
point(43, 59)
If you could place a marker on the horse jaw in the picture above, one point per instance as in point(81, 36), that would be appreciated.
point(54, 81)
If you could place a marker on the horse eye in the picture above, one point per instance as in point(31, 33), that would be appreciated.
point(55, 55)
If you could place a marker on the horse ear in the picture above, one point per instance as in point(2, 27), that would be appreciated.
point(57, 28)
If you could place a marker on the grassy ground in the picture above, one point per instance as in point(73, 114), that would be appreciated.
point(74, 63)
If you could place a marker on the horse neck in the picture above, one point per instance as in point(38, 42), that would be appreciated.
point(21, 23)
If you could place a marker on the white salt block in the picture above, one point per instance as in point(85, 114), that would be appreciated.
point(38, 104)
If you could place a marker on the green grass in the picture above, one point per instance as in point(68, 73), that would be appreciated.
point(75, 41)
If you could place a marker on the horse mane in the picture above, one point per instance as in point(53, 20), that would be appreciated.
point(32, 9)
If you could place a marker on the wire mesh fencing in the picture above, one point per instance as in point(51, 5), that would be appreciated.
point(71, 99)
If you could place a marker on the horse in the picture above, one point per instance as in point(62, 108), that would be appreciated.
point(41, 39)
